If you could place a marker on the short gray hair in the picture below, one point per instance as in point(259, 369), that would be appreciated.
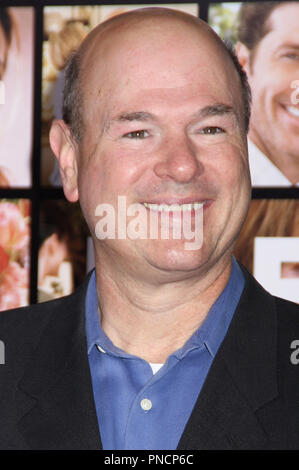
point(245, 87)
point(73, 97)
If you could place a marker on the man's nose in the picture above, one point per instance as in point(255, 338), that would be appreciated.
point(179, 161)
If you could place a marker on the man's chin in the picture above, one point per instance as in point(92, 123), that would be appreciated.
point(171, 256)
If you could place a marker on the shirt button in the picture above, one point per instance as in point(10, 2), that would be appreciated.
point(100, 349)
point(146, 404)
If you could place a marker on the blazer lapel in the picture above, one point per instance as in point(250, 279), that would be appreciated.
point(222, 419)
point(55, 397)
point(241, 379)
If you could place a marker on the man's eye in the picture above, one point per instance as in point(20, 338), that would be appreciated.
point(292, 56)
point(211, 131)
point(141, 134)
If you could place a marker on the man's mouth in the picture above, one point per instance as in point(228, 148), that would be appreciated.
point(292, 110)
point(193, 206)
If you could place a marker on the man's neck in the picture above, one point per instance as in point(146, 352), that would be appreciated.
point(153, 322)
point(286, 163)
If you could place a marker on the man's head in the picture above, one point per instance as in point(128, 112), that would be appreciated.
point(161, 121)
point(269, 53)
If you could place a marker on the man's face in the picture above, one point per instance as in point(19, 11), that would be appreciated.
point(274, 119)
point(164, 127)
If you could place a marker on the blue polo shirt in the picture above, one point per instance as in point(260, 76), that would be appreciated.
point(138, 408)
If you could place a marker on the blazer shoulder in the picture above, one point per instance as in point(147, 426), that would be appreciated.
point(286, 305)
point(28, 320)
point(287, 315)
point(20, 332)
point(24, 318)
point(286, 311)
point(21, 329)
point(288, 351)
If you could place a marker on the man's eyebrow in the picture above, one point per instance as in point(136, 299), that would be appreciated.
point(214, 110)
point(207, 111)
point(134, 116)
point(143, 116)
point(288, 45)
point(130, 116)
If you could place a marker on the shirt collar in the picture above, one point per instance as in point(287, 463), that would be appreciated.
point(263, 171)
point(95, 334)
point(210, 333)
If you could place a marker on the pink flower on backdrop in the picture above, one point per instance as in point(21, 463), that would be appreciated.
point(4, 259)
point(14, 230)
point(15, 275)
point(14, 282)
point(10, 297)
point(25, 207)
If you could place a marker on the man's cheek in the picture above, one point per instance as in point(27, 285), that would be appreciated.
point(229, 160)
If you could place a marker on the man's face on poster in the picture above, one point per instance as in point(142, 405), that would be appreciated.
point(274, 67)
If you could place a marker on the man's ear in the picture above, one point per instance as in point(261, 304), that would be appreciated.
point(243, 55)
point(66, 152)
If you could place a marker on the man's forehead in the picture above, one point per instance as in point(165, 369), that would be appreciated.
point(152, 86)
point(284, 18)
point(128, 62)
point(119, 64)
point(178, 98)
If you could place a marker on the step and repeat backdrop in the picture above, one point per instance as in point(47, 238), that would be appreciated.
point(45, 246)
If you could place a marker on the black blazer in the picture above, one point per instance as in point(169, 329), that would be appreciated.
point(250, 399)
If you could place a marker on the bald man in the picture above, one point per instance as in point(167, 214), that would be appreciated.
point(169, 343)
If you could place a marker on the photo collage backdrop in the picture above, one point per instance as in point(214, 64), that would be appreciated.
point(45, 245)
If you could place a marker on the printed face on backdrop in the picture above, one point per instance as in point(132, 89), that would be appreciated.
point(163, 128)
point(275, 66)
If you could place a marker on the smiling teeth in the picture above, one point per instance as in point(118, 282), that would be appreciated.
point(174, 207)
point(292, 110)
